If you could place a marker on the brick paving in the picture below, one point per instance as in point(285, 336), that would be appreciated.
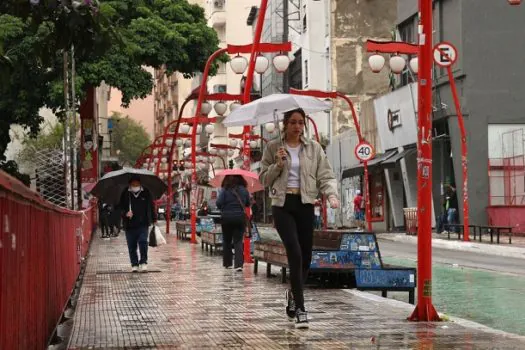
point(188, 301)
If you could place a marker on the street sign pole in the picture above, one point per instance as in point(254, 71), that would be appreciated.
point(424, 310)
point(365, 152)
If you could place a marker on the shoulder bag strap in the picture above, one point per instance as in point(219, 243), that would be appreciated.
point(241, 203)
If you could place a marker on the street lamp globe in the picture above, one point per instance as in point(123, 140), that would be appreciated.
point(281, 63)
point(205, 108)
point(169, 142)
point(164, 151)
point(376, 62)
point(234, 106)
point(239, 64)
point(212, 151)
point(230, 153)
point(155, 152)
point(164, 160)
point(179, 142)
point(270, 127)
point(414, 65)
point(233, 143)
point(222, 152)
point(209, 128)
point(187, 143)
point(397, 64)
point(220, 108)
point(185, 128)
point(253, 144)
point(261, 64)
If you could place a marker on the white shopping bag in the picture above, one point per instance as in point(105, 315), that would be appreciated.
point(159, 236)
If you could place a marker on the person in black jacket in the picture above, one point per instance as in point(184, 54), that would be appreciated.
point(233, 200)
point(138, 214)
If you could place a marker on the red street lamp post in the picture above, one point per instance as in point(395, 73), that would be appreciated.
point(333, 95)
point(424, 310)
point(230, 49)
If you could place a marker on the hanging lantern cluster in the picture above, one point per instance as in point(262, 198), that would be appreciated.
point(397, 63)
point(239, 63)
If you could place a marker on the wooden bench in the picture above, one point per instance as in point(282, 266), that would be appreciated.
point(478, 230)
point(352, 258)
point(183, 229)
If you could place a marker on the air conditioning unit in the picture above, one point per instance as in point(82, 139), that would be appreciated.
point(218, 4)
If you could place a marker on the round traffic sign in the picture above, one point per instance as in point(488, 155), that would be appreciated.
point(445, 54)
point(364, 151)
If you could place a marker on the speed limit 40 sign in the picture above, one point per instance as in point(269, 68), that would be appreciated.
point(364, 151)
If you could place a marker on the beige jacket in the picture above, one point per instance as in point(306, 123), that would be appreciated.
point(316, 173)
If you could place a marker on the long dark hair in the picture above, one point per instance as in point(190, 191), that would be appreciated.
point(232, 181)
point(288, 115)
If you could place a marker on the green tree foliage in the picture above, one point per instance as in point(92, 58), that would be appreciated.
point(129, 137)
point(113, 41)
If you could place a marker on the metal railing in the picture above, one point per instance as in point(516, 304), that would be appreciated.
point(41, 249)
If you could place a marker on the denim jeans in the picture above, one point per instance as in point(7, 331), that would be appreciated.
point(233, 231)
point(137, 236)
point(452, 218)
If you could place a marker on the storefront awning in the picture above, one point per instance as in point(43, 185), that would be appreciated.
point(391, 162)
point(377, 161)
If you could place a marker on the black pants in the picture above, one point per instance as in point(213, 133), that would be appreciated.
point(295, 224)
point(233, 231)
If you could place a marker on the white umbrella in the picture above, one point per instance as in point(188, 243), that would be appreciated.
point(271, 108)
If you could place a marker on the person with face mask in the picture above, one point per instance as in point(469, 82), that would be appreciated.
point(138, 214)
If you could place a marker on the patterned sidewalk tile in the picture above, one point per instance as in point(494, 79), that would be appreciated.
point(188, 301)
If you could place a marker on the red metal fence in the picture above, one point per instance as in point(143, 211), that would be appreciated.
point(41, 247)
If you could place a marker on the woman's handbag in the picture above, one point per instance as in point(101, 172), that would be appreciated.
point(248, 229)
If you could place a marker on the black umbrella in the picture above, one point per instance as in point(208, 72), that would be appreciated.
point(110, 187)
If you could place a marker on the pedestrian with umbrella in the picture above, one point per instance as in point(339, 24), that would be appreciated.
point(295, 169)
point(233, 200)
point(134, 190)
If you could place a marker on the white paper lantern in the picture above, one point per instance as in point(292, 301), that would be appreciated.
point(397, 64)
point(213, 151)
point(270, 127)
point(230, 153)
point(155, 151)
point(261, 64)
point(164, 151)
point(414, 65)
point(179, 142)
point(234, 106)
point(169, 142)
point(220, 108)
point(211, 160)
point(184, 128)
point(233, 143)
point(281, 63)
point(205, 108)
point(187, 143)
point(376, 62)
point(164, 160)
point(209, 128)
point(222, 152)
point(253, 144)
point(239, 64)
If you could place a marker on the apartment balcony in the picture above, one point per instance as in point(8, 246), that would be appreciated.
point(218, 17)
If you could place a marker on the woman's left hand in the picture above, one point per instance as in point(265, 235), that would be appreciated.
point(334, 202)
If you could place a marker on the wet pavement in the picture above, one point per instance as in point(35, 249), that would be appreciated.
point(187, 300)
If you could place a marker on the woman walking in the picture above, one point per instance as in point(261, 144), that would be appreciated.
point(296, 169)
point(232, 201)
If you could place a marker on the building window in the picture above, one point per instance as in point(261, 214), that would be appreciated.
point(219, 88)
point(305, 73)
point(506, 164)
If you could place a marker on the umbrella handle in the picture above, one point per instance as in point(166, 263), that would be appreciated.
point(276, 123)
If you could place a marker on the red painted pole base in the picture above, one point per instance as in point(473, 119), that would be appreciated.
point(424, 313)
point(247, 256)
